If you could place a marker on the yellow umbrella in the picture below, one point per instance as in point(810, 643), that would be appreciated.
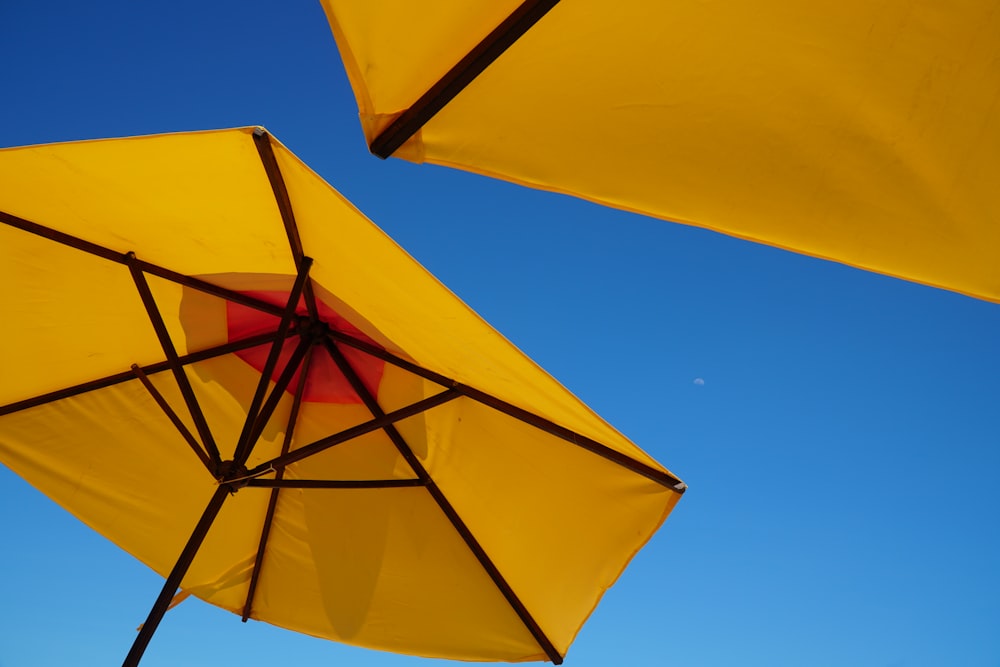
point(212, 359)
point(863, 132)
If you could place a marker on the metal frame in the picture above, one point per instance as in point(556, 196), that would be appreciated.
point(310, 331)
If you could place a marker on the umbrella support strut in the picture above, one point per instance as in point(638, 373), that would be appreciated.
point(445, 506)
point(335, 483)
point(271, 404)
point(176, 576)
point(355, 432)
point(173, 359)
point(172, 416)
point(279, 473)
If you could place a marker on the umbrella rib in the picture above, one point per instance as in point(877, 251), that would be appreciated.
point(176, 576)
point(245, 444)
point(272, 502)
point(355, 432)
point(276, 484)
point(659, 476)
point(654, 474)
point(262, 140)
point(118, 378)
point(209, 288)
point(264, 416)
point(121, 258)
point(461, 75)
point(172, 416)
point(172, 358)
point(445, 506)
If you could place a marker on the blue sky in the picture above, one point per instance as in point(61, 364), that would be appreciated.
point(838, 429)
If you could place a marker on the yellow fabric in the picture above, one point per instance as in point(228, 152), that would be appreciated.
point(374, 567)
point(553, 551)
point(388, 72)
point(866, 133)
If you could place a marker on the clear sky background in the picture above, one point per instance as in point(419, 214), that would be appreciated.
point(838, 429)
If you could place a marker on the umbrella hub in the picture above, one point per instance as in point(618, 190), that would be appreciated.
point(316, 330)
point(234, 475)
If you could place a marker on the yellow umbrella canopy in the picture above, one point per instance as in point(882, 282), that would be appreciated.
point(866, 133)
point(216, 362)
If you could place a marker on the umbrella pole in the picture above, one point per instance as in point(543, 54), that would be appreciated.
point(176, 576)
